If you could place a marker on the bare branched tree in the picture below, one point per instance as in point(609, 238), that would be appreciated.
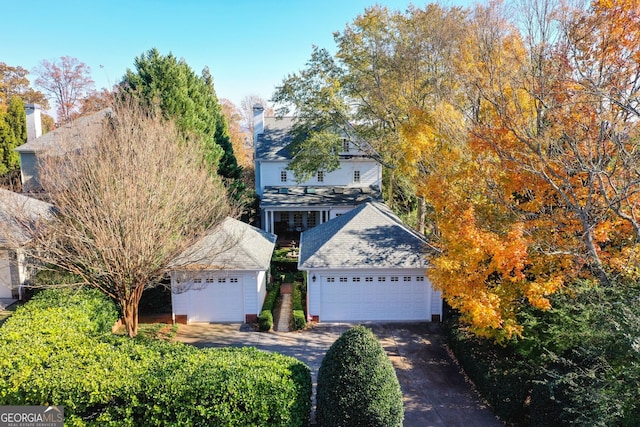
point(131, 194)
point(67, 81)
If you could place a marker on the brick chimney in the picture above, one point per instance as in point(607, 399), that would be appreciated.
point(34, 121)
point(258, 122)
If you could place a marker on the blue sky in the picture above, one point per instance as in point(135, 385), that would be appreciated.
point(250, 46)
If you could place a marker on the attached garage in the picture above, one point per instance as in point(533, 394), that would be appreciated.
point(367, 265)
point(15, 268)
point(223, 277)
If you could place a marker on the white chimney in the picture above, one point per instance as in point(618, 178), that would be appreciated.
point(258, 122)
point(34, 121)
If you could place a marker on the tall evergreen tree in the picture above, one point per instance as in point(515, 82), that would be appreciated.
point(13, 133)
point(189, 99)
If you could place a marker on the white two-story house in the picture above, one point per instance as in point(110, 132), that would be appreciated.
point(288, 207)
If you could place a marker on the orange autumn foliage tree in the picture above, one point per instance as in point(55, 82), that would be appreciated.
point(537, 184)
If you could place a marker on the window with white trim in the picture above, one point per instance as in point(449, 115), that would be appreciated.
point(419, 278)
point(198, 280)
point(356, 176)
point(394, 278)
point(345, 145)
point(209, 280)
point(382, 279)
point(311, 219)
point(331, 279)
point(283, 176)
point(355, 279)
point(406, 278)
point(233, 280)
point(368, 279)
point(297, 219)
point(320, 176)
point(343, 279)
point(222, 280)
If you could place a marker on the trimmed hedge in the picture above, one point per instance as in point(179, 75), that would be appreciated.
point(58, 349)
point(357, 385)
point(299, 318)
point(265, 319)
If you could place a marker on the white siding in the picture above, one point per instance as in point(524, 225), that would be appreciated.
point(179, 299)
point(262, 291)
point(436, 302)
point(5, 275)
point(370, 174)
point(251, 292)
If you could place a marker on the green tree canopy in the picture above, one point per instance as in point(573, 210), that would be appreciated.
point(189, 99)
point(13, 133)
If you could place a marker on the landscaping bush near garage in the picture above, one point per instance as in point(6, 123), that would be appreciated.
point(265, 319)
point(299, 317)
point(58, 349)
point(357, 384)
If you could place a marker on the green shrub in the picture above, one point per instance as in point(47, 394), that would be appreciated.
point(265, 321)
point(357, 385)
point(299, 320)
point(58, 350)
point(296, 297)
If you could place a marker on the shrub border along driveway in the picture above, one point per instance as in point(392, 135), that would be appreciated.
point(435, 391)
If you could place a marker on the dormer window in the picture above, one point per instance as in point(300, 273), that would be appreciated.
point(320, 176)
point(283, 176)
point(345, 145)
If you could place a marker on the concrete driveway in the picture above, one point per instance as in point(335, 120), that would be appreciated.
point(435, 391)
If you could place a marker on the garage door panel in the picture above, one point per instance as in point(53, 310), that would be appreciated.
point(217, 302)
point(374, 300)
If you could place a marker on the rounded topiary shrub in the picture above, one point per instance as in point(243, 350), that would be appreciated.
point(357, 385)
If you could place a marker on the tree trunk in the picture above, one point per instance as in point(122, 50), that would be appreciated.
point(392, 177)
point(130, 310)
point(421, 215)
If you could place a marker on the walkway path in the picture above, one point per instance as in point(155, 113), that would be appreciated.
point(283, 309)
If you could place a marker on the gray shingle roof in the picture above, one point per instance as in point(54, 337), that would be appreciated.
point(273, 143)
point(232, 245)
point(15, 209)
point(369, 236)
point(289, 197)
point(70, 133)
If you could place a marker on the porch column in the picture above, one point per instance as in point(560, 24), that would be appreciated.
point(270, 215)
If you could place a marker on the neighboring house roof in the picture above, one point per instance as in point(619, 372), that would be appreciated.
point(274, 142)
point(369, 236)
point(16, 211)
point(70, 133)
point(318, 196)
point(232, 245)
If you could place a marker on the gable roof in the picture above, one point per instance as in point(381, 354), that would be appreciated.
point(232, 245)
point(274, 142)
point(15, 208)
point(70, 133)
point(369, 236)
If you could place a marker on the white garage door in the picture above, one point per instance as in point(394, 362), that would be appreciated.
point(354, 298)
point(5, 275)
point(216, 300)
